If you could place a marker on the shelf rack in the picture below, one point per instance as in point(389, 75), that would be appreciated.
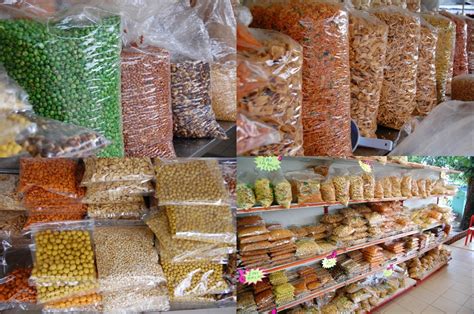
point(410, 284)
point(273, 208)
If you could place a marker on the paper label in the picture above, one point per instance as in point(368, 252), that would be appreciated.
point(389, 271)
point(251, 276)
point(330, 261)
point(268, 163)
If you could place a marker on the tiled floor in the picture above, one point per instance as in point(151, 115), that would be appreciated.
point(449, 291)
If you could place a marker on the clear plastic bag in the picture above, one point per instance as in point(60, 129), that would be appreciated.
point(12, 222)
point(190, 182)
point(368, 45)
point(223, 92)
point(206, 223)
point(82, 90)
point(446, 131)
point(396, 183)
point(342, 186)
point(281, 189)
point(461, 65)
point(117, 211)
point(193, 116)
point(356, 184)
point(444, 52)
point(99, 170)
point(305, 186)
point(53, 139)
point(245, 196)
point(12, 97)
point(126, 256)
point(12, 125)
point(86, 303)
point(322, 28)
point(229, 172)
point(252, 134)
point(38, 199)
point(146, 103)
point(176, 250)
point(9, 199)
point(136, 300)
point(399, 85)
point(369, 185)
point(328, 191)
point(263, 192)
point(269, 90)
point(426, 97)
point(59, 278)
point(117, 192)
point(414, 5)
point(56, 175)
point(470, 42)
point(194, 278)
point(379, 190)
point(406, 185)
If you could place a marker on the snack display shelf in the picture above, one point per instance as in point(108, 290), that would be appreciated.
point(432, 271)
point(342, 284)
point(409, 284)
point(339, 251)
point(259, 209)
point(407, 165)
point(429, 248)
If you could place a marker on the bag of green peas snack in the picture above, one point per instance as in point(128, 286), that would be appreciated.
point(69, 66)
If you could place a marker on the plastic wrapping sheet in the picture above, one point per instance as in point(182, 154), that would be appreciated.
point(270, 92)
point(446, 131)
point(426, 97)
point(206, 223)
point(57, 278)
point(190, 182)
point(53, 175)
point(12, 97)
point(193, 116)
point(400, 72)
point(99, 170)
point(117, 192)
point(146, 103)
point(9, 199)
point(176, 250)
point(136, 300)
point(322, 29)
point(54, 139)
point(444, 52)
point(368, 44)
point(252, 134)
point(126, 256)
point(83, 89)
point(460, 65)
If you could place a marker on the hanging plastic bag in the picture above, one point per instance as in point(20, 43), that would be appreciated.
point(461, 65)
point(263, 192)
point(322, 28)
point(146, 102)
point(426, 97)
point(406, 185)
point(399, 86)
point(245, 193)
point(342, 186)
point(444, 52)
point(206, 223)
point(178, 250)
point(446, 131)
point(305, 186)
point(68, 89)
point(190, 182)
point(269, 89)
point(356, 184)
point(253, 134)
point(369, 185)
point(368, 45)
point(281, 189)
point(396, 183)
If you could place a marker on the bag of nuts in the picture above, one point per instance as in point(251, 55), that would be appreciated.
point(342, 186)
point(368, 45)
point(399, 86)
point(426, 97)
point(269, 88)
point(146, 103)
point(322, 28)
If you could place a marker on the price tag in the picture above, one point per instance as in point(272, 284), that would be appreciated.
point(365, 165)
point(251, 276)
point(268, 163)
point(389, 271)
point(330, 261)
